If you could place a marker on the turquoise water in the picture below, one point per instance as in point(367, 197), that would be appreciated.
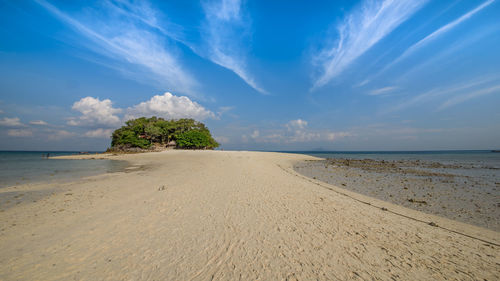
point(476, 158)
point(22, 167)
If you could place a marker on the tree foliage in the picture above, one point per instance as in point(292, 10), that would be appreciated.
point(144, 132)
point(195, 139)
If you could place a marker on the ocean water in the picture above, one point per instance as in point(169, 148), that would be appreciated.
point(475, 158)
point(22, 167)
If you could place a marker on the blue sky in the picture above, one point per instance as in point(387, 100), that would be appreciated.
point(267, 75)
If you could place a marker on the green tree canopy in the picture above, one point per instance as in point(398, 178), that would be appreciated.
point(144, 132)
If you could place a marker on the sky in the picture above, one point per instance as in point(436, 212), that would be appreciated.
point(262, 75)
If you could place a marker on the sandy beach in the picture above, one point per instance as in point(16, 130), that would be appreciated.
point(222, 215)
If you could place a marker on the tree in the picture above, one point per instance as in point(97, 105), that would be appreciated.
point(143, 132)
point(196, 139)
point(128, 138)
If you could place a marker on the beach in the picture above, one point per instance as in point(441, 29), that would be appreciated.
point(227, 215)
point(466, 192)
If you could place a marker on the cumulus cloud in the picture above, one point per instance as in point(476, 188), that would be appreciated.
point(95, 112)
point(39, 123)
point(20, 133)
point(170, 106)
point(11, 122)
point(99, 133)
point(359, 32)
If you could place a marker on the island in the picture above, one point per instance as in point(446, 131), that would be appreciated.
point(157, 134)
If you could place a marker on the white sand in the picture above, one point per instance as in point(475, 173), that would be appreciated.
point(227, 216)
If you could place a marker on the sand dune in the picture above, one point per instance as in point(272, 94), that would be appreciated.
point(203, 215)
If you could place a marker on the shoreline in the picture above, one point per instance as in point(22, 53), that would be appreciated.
point(224, 214)
point(28, 168)
point(455, 191)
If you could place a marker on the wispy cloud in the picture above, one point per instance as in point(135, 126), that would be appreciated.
point(455, 93)
point(359, 32)
point(382, 91)
point(145, 13)
point(295, 131)
point(39, 123)
point(20, 133)
point(441, 31)
point(470, 95)
point(224, 22)
point(119, 38)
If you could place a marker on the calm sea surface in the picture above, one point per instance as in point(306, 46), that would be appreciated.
point(477, 158)
point(21, 167)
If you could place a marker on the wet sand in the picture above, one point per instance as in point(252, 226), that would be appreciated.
point(463, 192)
point(212, 215)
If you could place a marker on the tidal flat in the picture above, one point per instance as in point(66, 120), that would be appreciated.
point(460, 191)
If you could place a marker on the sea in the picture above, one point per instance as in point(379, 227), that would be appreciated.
point(23, 167)
point(475, 158)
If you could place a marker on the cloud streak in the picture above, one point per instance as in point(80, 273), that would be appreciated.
point(441, 31)
point(382, 91)
point(470, 95)
point(119, 38)
point(359, 32)
point(456, 94)
point(223, 23)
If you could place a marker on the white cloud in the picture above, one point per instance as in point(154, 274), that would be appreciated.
point(429, 38)
point(124, 40)
point(296, 124)
point(359, 32)
point(39, 123)
point(255, 134)
point(60, 134)
point(297, 132)
point(99, 133)
point(11, 122)
point(95, 112)
point(382, 91)
point(224, 23)
point(1, 111)
point(20, 133)
point(169, 106)
point(470, 95)
point(469, 88)
point(337, 135)
point(222, 139)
